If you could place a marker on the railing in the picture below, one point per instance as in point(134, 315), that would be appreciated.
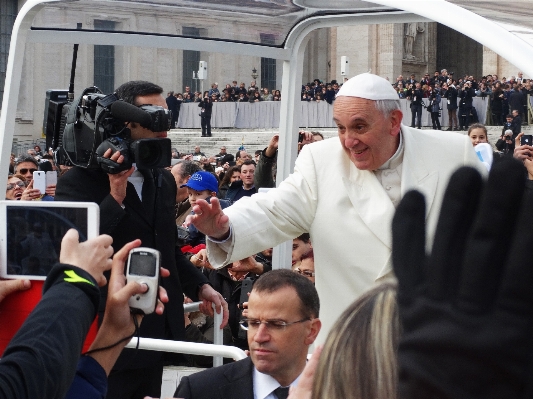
point(266, 114)
point(217, 349)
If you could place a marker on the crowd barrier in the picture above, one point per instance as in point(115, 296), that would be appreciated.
point(265, 114)
point(217, 349)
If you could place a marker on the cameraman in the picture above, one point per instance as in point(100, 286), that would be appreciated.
point(467, 94)
point(207, 108)
point(451, 104)
point(506, 143)
point(416, 96)
point(434, 108)
point(141, 204)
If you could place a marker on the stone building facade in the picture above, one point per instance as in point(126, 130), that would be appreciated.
point(387, 50)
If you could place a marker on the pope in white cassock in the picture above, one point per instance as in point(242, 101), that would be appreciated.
point(344, 192)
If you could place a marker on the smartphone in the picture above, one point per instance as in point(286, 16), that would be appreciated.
point(143, 267)
point(526, 139)
point(39, 181)
point(51, 178)
point(246, 288)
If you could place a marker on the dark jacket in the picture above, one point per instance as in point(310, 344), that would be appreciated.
point(207, 108)
point(235, 188)
point(517, 101)
point(451, 98)
point(156, 227)
point(40, 361)
point(507, 149)
point(416, 96)
point(231, 381)
point(264, 172)
point(434, 103)
point(467, 96)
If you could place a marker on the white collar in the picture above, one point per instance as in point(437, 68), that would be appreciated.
point(264, 384)
point(396, 159)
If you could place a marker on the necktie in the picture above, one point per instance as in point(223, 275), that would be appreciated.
point(281, 392)
point(148, 192)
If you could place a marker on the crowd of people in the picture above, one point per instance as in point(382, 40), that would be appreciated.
point(216, 234)
point(504, 96)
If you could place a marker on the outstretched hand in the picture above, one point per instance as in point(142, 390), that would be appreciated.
point(466, 310)
point(210, 219)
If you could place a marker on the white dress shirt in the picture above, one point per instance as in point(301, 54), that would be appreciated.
point(264, 385)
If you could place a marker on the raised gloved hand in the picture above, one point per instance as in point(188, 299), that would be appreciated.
point(467, 308)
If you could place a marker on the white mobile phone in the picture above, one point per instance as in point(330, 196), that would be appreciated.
point(39, 181)
point(51, 178)
point(143, 267)
point(27, 225)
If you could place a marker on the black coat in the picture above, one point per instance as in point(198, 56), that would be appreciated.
point(125, 225)
point(467, 96)
point(517, 101)
point(207, 108)
point(231, 381)
point(451, 98)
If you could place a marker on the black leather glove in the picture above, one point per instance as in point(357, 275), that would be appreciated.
point(467, 308)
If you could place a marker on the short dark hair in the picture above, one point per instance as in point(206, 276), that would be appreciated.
point(305, 237)
point(249, 162)
point(258, 152)
point(188, 168)
point(280, 278)
point(129, 91)
point(317, 134)
point(26, 158)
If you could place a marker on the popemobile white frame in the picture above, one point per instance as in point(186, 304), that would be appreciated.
point(486, 32)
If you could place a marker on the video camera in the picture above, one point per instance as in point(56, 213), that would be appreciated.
point(95, 122)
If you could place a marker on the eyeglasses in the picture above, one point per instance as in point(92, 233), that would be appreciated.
point(271, 325)
point(24, 171)
point(11, 186)
point(307, 273)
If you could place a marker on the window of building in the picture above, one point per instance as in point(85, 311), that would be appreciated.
point(191, 59)
point(104, 60)
point(268, 65)
point(8, 13)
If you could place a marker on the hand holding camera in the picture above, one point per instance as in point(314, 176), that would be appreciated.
point(522, 152)
point(118, 182)
point(143, 267)
point(117, 320)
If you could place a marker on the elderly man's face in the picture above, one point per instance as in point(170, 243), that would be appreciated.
point(368, 137)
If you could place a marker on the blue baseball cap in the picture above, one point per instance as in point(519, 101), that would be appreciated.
point(201, 181)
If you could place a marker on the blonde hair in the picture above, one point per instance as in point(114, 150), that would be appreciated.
point(359, 360)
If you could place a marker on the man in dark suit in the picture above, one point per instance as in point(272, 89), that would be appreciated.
point(141, 204)
point(174, 106)
point(282, 322)
point(416, 96)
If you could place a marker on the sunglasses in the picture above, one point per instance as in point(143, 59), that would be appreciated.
point(24, 171)
point(307, 273)
point(11, 186)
